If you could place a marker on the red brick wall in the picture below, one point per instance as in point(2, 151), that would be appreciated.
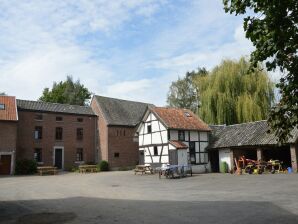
point(121, 141)
point(102, 133)
point(111, 143)
point(8, 136)
point(26, 142)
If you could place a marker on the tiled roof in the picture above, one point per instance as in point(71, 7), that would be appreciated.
point(175, 118)
point(178, 144)
point(53, 107)
point(121, 112)
point(246, 134)
point(9, 113)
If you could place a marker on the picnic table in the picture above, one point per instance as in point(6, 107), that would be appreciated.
point(172, 171)
point(143, 169)
point(47, 170)
point(87, 168)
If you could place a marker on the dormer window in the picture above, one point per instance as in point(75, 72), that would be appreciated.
point(2, 106)
point(187, 114)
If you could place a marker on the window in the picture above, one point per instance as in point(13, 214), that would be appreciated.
point(80, 133)
point(59, 118)
point(38, 117)
point(169, 135)
point(181, 136)
point(38, 132)
point(79, 154)
point(149, 128)
point(37, 155)
point(116, 154)
point(59, 133)
point(155, 151)
point(79, 119)
point(198, 153)
point(192, 152)
point(2, 106)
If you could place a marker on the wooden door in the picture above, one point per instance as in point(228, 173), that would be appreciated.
point(141, 157)
point(59, 158)
point(173, 157)
point(5, 164)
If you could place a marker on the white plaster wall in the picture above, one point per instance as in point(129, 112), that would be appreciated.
point(194, 136)
point(171, 147)
point(174, 134)
point(155, 126)
point(224, 156)
point(186, 135)
point(156, 138)
point(147, 139)
point(203, 136)
point(164, 135)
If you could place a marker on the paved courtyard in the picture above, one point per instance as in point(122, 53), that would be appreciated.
point(122, 197)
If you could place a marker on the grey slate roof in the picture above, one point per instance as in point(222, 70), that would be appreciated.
point(121, 112)
point(53, 107)
point(246, 134)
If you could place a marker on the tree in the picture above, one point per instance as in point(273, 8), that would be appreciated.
point(67, 92)
point(273, 30)
point(2, 94)
point(183, 94)
point(231, 94)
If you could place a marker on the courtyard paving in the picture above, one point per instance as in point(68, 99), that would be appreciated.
point(122, 197)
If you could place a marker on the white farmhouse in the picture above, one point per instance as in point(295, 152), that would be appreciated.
point(173, 136)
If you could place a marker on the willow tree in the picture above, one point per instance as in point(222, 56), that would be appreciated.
point(231, 94)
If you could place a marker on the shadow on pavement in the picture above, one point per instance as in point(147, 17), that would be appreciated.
point(96, 210)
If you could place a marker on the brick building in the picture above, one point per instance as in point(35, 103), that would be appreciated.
point(56, 134)
point(117, 122)
point(8, 134)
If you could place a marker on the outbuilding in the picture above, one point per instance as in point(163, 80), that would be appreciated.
point(253, 141)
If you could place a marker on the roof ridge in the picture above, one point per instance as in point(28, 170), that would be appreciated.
point(64, 104)
point(250, 122)
point(122, 99)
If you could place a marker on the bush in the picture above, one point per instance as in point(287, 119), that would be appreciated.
point(103, 165)
point(25, 166)
point(224, 167)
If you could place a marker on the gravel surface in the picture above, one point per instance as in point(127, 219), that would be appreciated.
point(122, 197)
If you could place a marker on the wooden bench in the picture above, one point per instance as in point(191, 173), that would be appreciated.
point(87, 168)
point(47, 170)
point(143, 169)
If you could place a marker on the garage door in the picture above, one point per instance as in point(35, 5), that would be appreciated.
point(5, 164)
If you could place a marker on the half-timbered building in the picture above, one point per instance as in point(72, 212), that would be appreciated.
point(173, 136)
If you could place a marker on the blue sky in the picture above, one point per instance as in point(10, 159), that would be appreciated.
point(129, 49)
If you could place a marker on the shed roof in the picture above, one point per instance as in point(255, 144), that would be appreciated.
point(178, 144)
point(8, 111)
point(177, 118)
point(121, 112)
point(53, 107)
point(245, 134)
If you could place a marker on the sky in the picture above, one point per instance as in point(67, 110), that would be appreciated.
point(127, 49)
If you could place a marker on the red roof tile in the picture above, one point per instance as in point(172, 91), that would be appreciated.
point(8, 112)
point(176, 118)
point(178, 144)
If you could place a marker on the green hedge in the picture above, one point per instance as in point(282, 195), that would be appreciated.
point(25, 166)
point(103, 166)
point(224, 167)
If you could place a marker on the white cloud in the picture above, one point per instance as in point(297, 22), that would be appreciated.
point(28, 75)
